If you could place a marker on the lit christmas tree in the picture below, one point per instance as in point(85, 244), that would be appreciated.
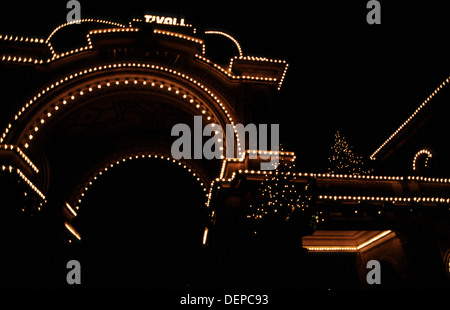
point(283, 201)
point(343, 160)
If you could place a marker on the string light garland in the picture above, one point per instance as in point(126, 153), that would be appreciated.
point(13, 38)
point(238, 77)
point(11, 169)
point(140, 155)
point(419, 153)
point(410, 118)
point(356, 248)
point(180, 36)
point(229, 37)
point(123, 28)
point(383, 199)
point(280, 198)
point(17, 150)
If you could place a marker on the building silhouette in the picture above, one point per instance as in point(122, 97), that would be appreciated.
point(88, 115)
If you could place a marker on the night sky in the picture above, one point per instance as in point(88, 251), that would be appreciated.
point(364, 80)
point(344, 74)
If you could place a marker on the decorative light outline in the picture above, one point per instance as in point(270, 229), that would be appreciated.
point(228, 73)
point(83, 20)
point(12, 58)
point(174, 90)
point(229, 37)
point(113, 66)
point(17, 149)
point(410, 118)
point(421, 152)
point(11, 37)
point(72, 231)
point(89, 46)
point(11, 169)
point(332, 248)
point(384, 198)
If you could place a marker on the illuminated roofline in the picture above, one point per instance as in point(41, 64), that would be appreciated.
point(327, 175)
point(335, 248)
point(89, 46)
point(110, 66)
point(132, 156)
point(84, 20)
point(421, 152)
point(228, 73)
point(263, 59)
point(229, 37)
point(359, 198)
point(410, 118)
point(384, 198)
point(11, 37)
point(12, 169)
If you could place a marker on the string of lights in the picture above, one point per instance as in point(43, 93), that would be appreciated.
point(146, 155)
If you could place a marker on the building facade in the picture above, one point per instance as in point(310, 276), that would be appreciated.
point(78, 109)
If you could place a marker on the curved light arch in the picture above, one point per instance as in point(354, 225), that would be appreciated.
point(418, 154)
point(229, 37)
point(83, 20)
point(105, 68)
point(81, 192)
point(124, 83)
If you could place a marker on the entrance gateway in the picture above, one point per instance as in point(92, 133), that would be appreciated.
point(116, 96)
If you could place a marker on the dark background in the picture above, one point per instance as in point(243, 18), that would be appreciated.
point(364, 80)
point(344, 74)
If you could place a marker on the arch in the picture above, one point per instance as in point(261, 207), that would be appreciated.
point(134, 218)
point(238, 46)
point(424, 152)
point(114, 161)
point(39, 116)
point(73, 202)
point(191, 91)
point(83, 20)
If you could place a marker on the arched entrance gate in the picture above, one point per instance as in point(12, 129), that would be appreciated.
point(73, 115)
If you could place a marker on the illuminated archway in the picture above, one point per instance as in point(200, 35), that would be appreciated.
point(194, 93)
point(110, 164)
point(83, 112)
point(145, 219)
point(35, 119)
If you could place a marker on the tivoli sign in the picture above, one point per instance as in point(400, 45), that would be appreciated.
point(164, 20)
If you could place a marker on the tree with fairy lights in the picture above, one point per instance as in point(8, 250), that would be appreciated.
point(282, 202)
point(343, 159)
